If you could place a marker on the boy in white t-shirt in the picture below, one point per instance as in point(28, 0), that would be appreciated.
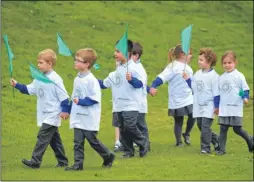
point(86, 111)
point(52, 105)
point(205, 87)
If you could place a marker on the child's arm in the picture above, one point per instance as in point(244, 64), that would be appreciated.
point(101, 84)
point(136, 83)
point(187, 79)
point(24, 89)
point(87, 101)
point(216, 93)
point(246, 89)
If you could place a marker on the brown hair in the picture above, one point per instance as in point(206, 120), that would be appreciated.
point(229, 53)
point(137, 49)
point(88, 55)
point(176, 52)
point(48, 55)
point(209, 55)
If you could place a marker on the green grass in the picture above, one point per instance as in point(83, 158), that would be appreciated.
point(32, 27)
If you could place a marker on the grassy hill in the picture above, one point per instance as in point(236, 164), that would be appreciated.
point(32, 27)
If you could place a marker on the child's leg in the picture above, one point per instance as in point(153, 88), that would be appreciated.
point(141, 124)
point(115, 123)
point(190, 124)
point(117, 136)
point(79, 141)
point(58, 148)
point(178, 129)
point(239, 131)
point(206, 135)
point(101, 149)
point(223, 137)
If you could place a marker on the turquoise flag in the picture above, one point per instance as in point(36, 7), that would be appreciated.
point(122, 45)
point(38, 75)
point(9, 52)
point(63, 49)
point(186, 39)
point(241, 93)
point(96, 66)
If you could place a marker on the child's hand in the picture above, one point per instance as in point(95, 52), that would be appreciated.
point(216, 111)
point(153, 91)
point(128, 76)
point(76, 100)
point(245, 101)
point(185, 76)
point(64, 115)
point(13, 82)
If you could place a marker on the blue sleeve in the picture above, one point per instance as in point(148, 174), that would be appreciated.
point(86, 102)
point(66, 106)
point(136, 83)
point(22, 88)
point(148, 89)
point(188, 82)
point(157, 82)
point(246, 94)
point(101, 84)
point(216, 101)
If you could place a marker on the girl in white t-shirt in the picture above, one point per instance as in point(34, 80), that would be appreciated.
point(180, 95)
point(234, 91)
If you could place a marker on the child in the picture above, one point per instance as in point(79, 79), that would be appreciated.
point(180, 95)
point(86, 111)
point(127, 91)
point(52, 105)
point(231, 103)
point(137, 52)
point(205, 87)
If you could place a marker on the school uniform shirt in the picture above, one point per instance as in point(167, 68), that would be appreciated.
point(125, 96)
point(230, 84)
point(205, 86)
point(180, 94)
point(86, 117)
point(49, 98)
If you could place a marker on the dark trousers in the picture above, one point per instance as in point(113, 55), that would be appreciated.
point(129, 131)
point(142, 125)
point(79, 140)
point(207, 136)
point(49, 135)
point(179, 125)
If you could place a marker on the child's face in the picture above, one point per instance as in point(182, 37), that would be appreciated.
point(80, 65)
point(135, 57)
point(44, 66)
point(228, 64)
point(202, 62)
point(119, 56)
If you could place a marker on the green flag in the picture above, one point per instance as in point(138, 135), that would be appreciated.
point(63, 49)
point(122, 45)
point(38, 75)
point(241, 92)
point(96, 66)
point(9, 52)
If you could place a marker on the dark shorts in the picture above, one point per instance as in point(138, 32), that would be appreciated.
point(183, 111)
point(115, 121)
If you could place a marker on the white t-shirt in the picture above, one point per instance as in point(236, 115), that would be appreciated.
point(86, 117)
point(205, 86)
point(180, 94)
point(230, 84)
point(125, 96)
point(49, 98)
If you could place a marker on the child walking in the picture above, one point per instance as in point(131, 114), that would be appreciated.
point(205, 87)
point(86, 111)
point(180, 95)
point(231, 84)
point(52, 105)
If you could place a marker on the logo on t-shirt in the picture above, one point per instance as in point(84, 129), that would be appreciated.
point(41, 93)
point(226, 87)
point(78, 93)
point(118, 80)
point(200, 85)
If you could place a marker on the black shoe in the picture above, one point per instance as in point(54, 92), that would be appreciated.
point(186, 138)
point(143, 153)
point(179, 144)
point(31, 164)
point(205, 152)
point(220, 153)
point(74, 168)
point(118, 148)
point(216, 147)
point(251, 148)
point(59, 165)
point(127, 155)
point(108, 163)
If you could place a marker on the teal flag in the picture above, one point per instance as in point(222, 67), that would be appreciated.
point(9, 52)
point(241, 92)
point(122, 45)
point(186, 39)
point(63, 49)
point(38, 75)
point(96, 66)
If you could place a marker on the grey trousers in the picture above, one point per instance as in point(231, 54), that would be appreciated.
point(49, 135)
point(79, 140)
point(142, 125)
point(129, 131)
point(207, 136)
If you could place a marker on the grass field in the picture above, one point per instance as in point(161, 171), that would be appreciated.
point(32, 27)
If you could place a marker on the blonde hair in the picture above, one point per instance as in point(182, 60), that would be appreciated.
point(229, 53)
point(48, 55)
point(88, 55)
point(176, 52)
point(209, 55)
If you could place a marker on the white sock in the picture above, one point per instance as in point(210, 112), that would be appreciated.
point(118, 143)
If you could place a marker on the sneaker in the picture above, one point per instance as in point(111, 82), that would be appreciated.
point(135, 145)
point(74, 168)
point(186, 138)
point(31, 164)
point(179, 144)
point(118, 148)
point(59, 165)
point(108, 162)
point(205, 152)
point(127, 155)
point(220, 153)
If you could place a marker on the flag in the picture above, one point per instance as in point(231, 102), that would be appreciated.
point(9, 52)
point(186, 39)
point(241, 93)
point(63, 49)
point(96, 66)
point(38, 75)
point(122, 44)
